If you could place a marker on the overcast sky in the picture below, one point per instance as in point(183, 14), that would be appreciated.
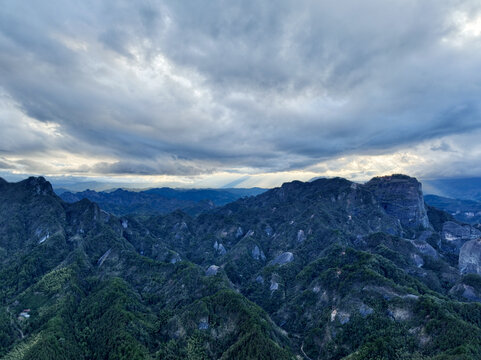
point(246, 93)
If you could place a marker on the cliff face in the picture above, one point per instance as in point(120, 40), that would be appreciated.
point(470, 257)
point(401, 197)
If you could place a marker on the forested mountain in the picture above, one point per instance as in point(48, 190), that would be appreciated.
point(323, 270)
point(160, 200)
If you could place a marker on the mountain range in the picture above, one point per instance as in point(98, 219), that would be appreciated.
point(468, 211)
point(159, 200)
point(328, 269)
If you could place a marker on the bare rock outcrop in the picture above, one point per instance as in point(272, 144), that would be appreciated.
point(470, 257)
point(283, 258)
point(455, 235)
point(401, 196)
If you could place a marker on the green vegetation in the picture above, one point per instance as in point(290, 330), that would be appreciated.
point(78, 283)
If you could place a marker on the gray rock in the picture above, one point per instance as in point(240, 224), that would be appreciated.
point(269, 231)
point(220, 248)
point(343, 317)
point(301, 237)
point(399, 314)
point(258, 254)
point(44, 238)
point(249, 234)
point(239, 232)
point(469, 293)
point(203, 325)
point(424, 248)
point(401, 196)
point(274, 286)
point(260, 279)
point(418, 260)
point(470, 257)
point(365, 310)
point(212, 270)
point(103, 257)
point(283, 258)
point(466, 292)
point(456, 235)
point(175, 259)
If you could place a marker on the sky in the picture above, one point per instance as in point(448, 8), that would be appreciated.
point(239, 93)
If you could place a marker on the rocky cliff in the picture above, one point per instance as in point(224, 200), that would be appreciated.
point(401, 196)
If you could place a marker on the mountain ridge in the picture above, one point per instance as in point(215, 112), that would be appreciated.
point(160, 200)
point(318, 270)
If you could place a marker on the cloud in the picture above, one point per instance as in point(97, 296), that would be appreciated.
point(443, 146)
point(186, 89)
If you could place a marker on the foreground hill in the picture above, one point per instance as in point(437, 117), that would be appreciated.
point(73, 287)
point(323, 270)
point(160, 200)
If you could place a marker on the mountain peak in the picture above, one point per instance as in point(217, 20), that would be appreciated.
point(38, 185)
point(394, 178)
point(401, 196)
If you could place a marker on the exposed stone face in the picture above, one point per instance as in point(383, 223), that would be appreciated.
point(258, 254)
point(365, 310)
point(456, 235)
point(418, 260)
point(399, 314)
point(283, 258)
point(269, 231)
point(260, 279)
point(343, 317)
point(175, 259)
point(301, 236)
point(274, 286)
point(470, 257)
point(212, 270)
point(466, 292)
point(220, 248)
point(239, 232)
point(203, 324)
point(424, 248)
point(401, 196)
point(38, 185)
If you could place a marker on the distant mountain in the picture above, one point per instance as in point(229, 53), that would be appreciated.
point(457, 188)
point(468, 211)
point(160, 200)
point(328, 269)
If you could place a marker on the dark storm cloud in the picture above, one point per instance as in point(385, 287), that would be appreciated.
point(183, 88)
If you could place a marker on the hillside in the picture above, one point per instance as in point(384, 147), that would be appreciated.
point(328, 269)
